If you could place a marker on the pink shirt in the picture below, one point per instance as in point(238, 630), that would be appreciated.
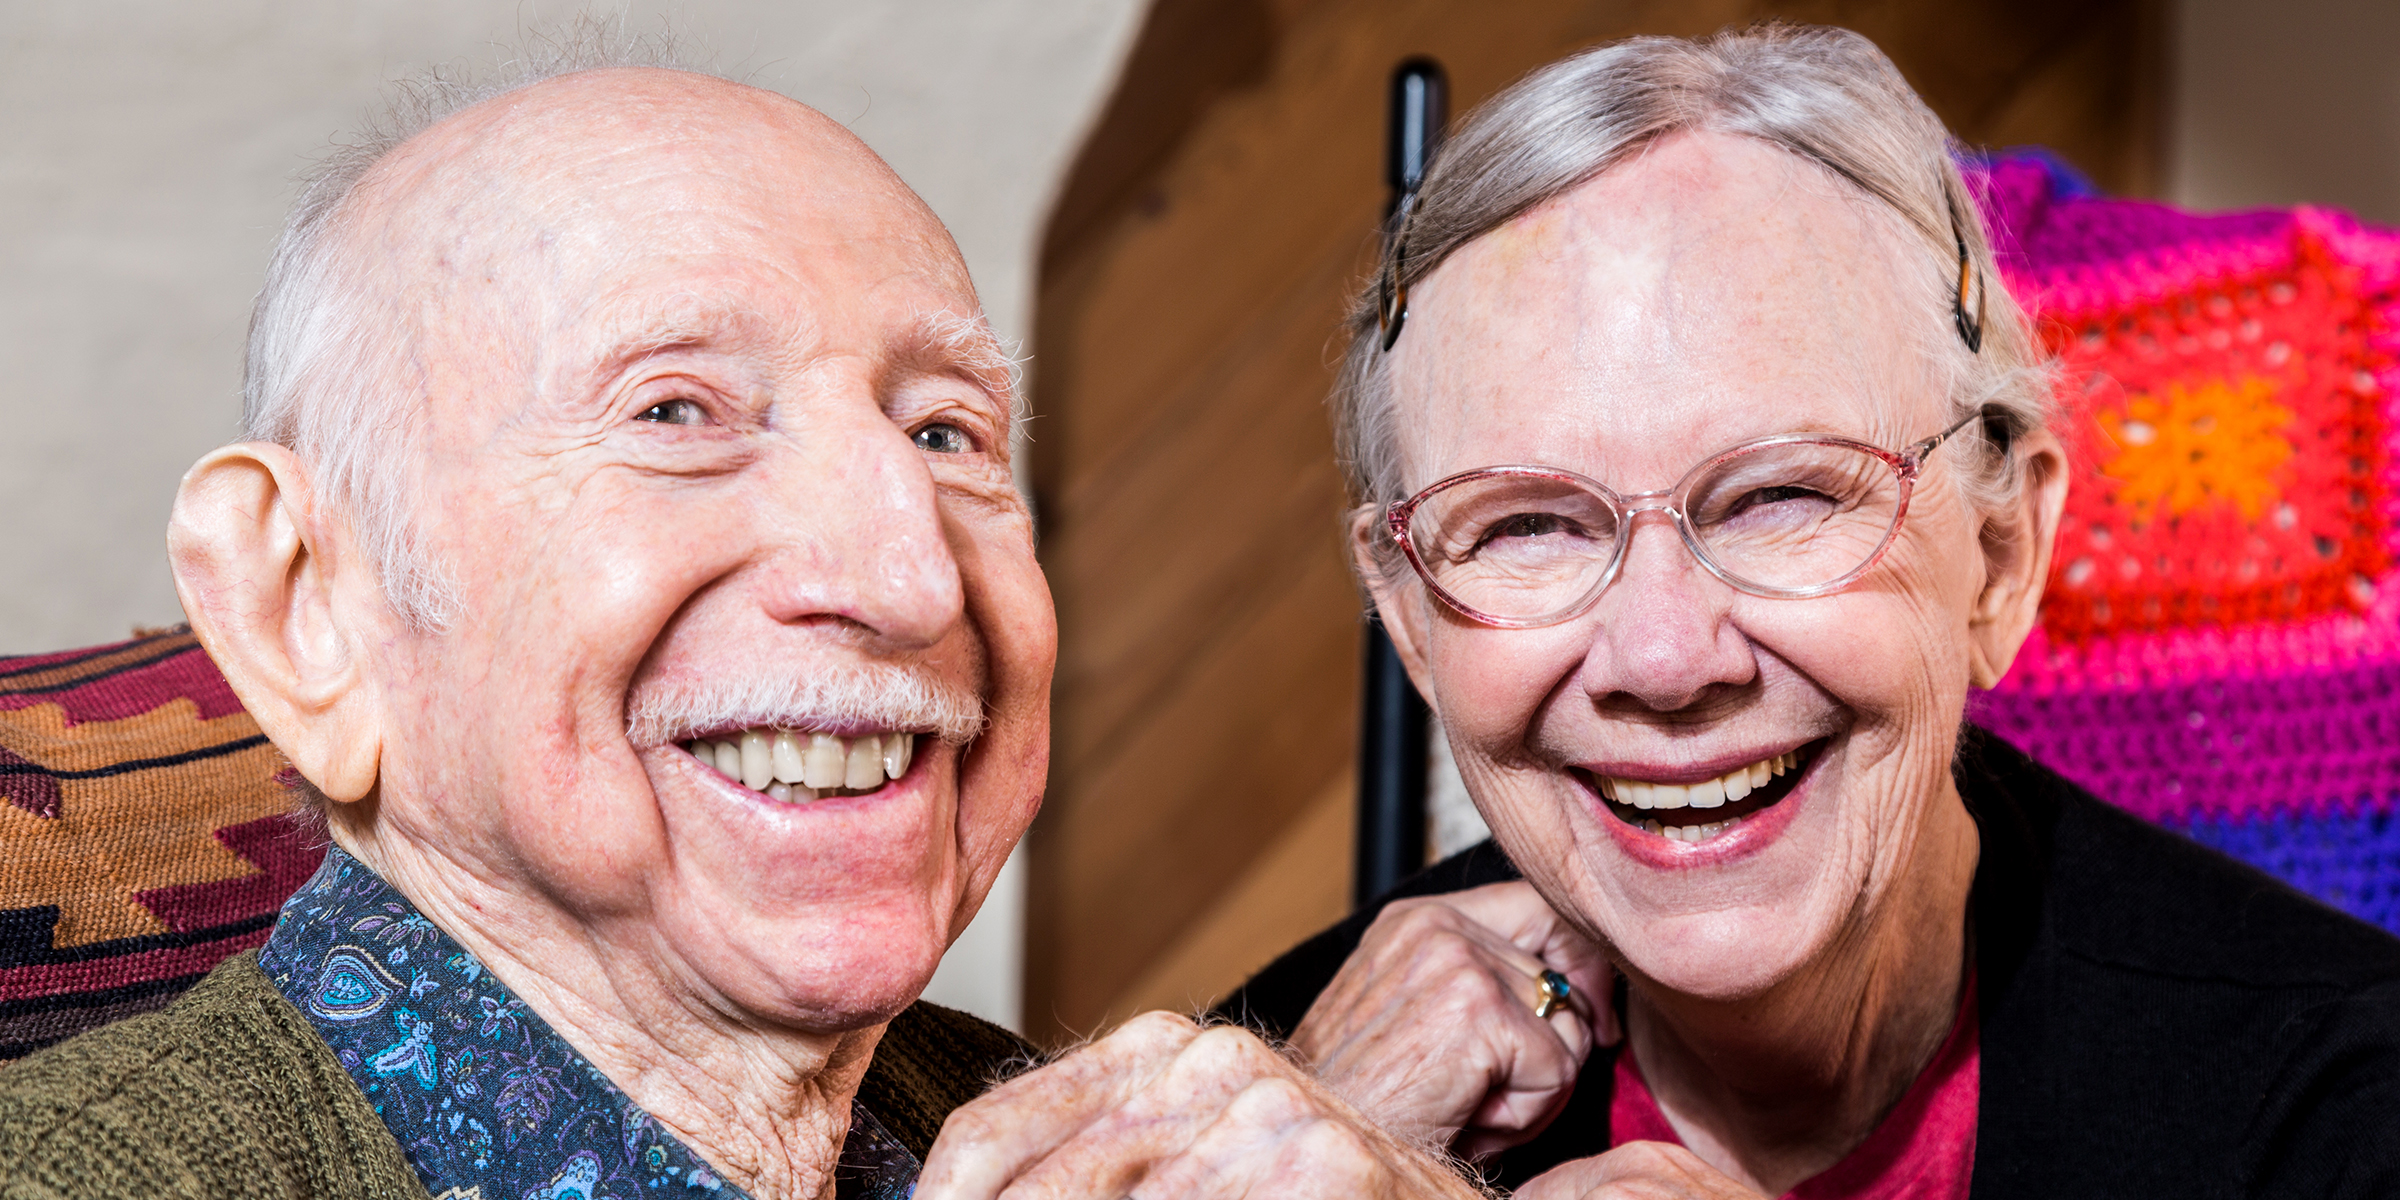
point(1924, 1148)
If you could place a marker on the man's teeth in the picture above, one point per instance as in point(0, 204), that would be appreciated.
point(795, 768)
point(1708, 793)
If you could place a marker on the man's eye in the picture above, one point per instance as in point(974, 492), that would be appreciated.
point(944, 439)
point(675, 412)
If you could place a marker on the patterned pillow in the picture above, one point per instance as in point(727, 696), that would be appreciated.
point(143, 834)
point(2219, 648)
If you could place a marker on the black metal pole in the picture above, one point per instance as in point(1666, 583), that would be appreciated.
point(1391, 772)
point(1393, 723)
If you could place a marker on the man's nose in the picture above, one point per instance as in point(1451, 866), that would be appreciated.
point(1666, 637)
point(861, 532)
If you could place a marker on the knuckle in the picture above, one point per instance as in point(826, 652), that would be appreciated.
point(1235, 1048)
point(1647, 1154)
point(1331, 1146)
point(1278, 1098)
point(973, 1124)
point(1158, 1029)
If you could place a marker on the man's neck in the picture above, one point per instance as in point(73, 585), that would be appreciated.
point(767, 1107)
point(1776, 1088)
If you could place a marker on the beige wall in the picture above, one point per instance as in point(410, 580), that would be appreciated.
point(147, 149)
point(2283, 101)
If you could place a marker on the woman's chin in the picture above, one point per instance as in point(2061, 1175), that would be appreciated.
point(1722, 956)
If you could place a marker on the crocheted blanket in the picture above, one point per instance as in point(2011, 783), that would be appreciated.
point(2219, 649)
point(142, 835)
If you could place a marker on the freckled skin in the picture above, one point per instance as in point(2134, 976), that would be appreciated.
point(1711, 291)
point(730, 964)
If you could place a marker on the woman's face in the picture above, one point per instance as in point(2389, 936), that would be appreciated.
point(1712, 291)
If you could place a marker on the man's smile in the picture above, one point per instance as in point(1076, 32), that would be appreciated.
point(792, 766)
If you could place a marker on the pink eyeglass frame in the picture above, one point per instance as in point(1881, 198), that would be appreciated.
point(1906, 465)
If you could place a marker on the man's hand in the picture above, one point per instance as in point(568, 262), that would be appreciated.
point(1636, 1171)
point(1430, 1027)
point(1162, 1109)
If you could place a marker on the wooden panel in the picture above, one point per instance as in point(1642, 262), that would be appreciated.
point(1193, 281)
point(1282, 899)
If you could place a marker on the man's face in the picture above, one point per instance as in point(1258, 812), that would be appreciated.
point(703, 450)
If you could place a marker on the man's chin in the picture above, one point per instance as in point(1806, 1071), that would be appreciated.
point(822, 976)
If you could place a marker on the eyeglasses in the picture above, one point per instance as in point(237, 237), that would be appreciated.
point(1787, 517)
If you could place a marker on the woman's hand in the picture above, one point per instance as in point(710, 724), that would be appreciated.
point(1162, 1109)
point(1636, 1171)
point(1430, 1027)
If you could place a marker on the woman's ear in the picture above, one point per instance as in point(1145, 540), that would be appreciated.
point(1401, 608)
point(258, 580)
point(2016, 549)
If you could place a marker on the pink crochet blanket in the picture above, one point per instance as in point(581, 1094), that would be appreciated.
point(2220, 644)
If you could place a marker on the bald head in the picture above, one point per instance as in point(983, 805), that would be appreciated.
point(458, 235)
point(588, 162)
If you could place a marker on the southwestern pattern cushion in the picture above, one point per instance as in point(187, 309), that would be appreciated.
point(143, 834)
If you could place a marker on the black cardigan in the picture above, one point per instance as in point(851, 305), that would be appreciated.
point(2158, 1019)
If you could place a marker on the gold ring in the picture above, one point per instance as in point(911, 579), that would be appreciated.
point(1551, 993)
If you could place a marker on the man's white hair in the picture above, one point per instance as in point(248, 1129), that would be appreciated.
point(1826, 95)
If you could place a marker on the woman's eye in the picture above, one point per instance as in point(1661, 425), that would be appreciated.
point(943, 439)
point(1526, 525)
point(675, 412)
point(1768, 497)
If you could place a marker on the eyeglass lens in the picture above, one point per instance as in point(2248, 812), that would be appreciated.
point(1782, 518)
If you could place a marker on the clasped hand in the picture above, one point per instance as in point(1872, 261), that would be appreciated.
point(1162, 1109)
point(1433, 1029)
point(1428, 1037)
point(1431, 1026)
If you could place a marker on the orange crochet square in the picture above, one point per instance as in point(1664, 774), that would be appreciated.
point(2227, 452)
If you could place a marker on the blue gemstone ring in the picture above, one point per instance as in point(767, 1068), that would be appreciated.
point(1551, 994)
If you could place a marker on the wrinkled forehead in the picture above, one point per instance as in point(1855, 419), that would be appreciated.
point(580, 214)
point(1711, 290)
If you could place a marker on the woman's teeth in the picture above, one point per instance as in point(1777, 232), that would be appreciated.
point(1708, 793)
point(1691, 833)
point(796, 768)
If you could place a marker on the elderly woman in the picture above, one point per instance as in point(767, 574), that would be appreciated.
point(1704, 473)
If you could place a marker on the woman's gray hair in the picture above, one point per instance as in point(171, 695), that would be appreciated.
point(324, 375)
point(1826, 95)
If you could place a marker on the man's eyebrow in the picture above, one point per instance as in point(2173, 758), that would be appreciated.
point(690, 322)
point(949, 344)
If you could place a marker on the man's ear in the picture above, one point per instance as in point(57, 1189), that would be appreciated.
point(1401, 608)
point(258, 580)
point(2016, 548)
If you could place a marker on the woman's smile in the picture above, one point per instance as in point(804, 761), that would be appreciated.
point(1674, 818)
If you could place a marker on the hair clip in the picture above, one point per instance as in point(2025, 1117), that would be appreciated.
point(1970, 331)
point(1391, 298)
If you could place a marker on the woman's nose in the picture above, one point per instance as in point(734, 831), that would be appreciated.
point(1665, 640)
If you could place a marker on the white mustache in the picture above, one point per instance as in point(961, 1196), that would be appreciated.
point(863, 696)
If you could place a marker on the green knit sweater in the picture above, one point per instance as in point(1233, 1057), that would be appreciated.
point(228, 1092)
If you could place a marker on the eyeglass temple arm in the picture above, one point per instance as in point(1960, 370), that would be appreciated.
point(1915, 457)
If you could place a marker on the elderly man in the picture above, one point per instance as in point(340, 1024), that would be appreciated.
point(626, 556)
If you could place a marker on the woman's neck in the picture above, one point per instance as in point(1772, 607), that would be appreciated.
point(1775, 1088)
